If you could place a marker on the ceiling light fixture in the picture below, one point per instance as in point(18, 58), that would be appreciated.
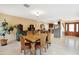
point(37, 13)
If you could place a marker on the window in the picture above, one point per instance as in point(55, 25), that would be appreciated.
point(71, 27)
point(76, 27)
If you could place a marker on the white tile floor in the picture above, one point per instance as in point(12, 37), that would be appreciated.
point(63, 46)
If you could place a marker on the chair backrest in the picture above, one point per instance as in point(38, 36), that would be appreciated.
point(29, 33)
point(38, 33)
point(22, 40)
point(49, 37)
point(43, 40)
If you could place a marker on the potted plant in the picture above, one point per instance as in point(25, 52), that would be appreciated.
point(4, 25)
point(6, 30)
point(3, 41)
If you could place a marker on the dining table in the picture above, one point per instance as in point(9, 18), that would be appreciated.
point(33, 38)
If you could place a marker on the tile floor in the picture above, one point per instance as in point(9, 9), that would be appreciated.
point(60, 46)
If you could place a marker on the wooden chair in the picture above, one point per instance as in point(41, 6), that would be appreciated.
point(24, 44)
point(49, 38)
point(38, 33)
point(42, 44)
point(30, 33)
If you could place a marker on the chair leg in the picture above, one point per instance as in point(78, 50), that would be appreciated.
point(45, 49)
point(35, 51)
point(40, 52)
point(50, 44)
point(24, 52)
point(30, 52)
point(21, 50)
point(47, 45)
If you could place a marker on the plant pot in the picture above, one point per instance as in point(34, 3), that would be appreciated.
point(3, 42)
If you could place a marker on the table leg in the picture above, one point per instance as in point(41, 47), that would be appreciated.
point(33, 48)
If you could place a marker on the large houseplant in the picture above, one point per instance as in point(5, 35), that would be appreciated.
point(4, 40)
point(6, 30)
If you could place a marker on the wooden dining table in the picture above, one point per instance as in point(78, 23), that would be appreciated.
point(32, 38)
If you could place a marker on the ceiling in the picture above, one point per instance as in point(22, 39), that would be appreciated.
point(51, 12)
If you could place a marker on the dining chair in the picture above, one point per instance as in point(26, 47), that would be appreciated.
point(29, 32)
point(50, 37)
point(42, 44)
point(24, 44)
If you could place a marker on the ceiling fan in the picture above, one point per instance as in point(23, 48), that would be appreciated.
point(26, 5)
